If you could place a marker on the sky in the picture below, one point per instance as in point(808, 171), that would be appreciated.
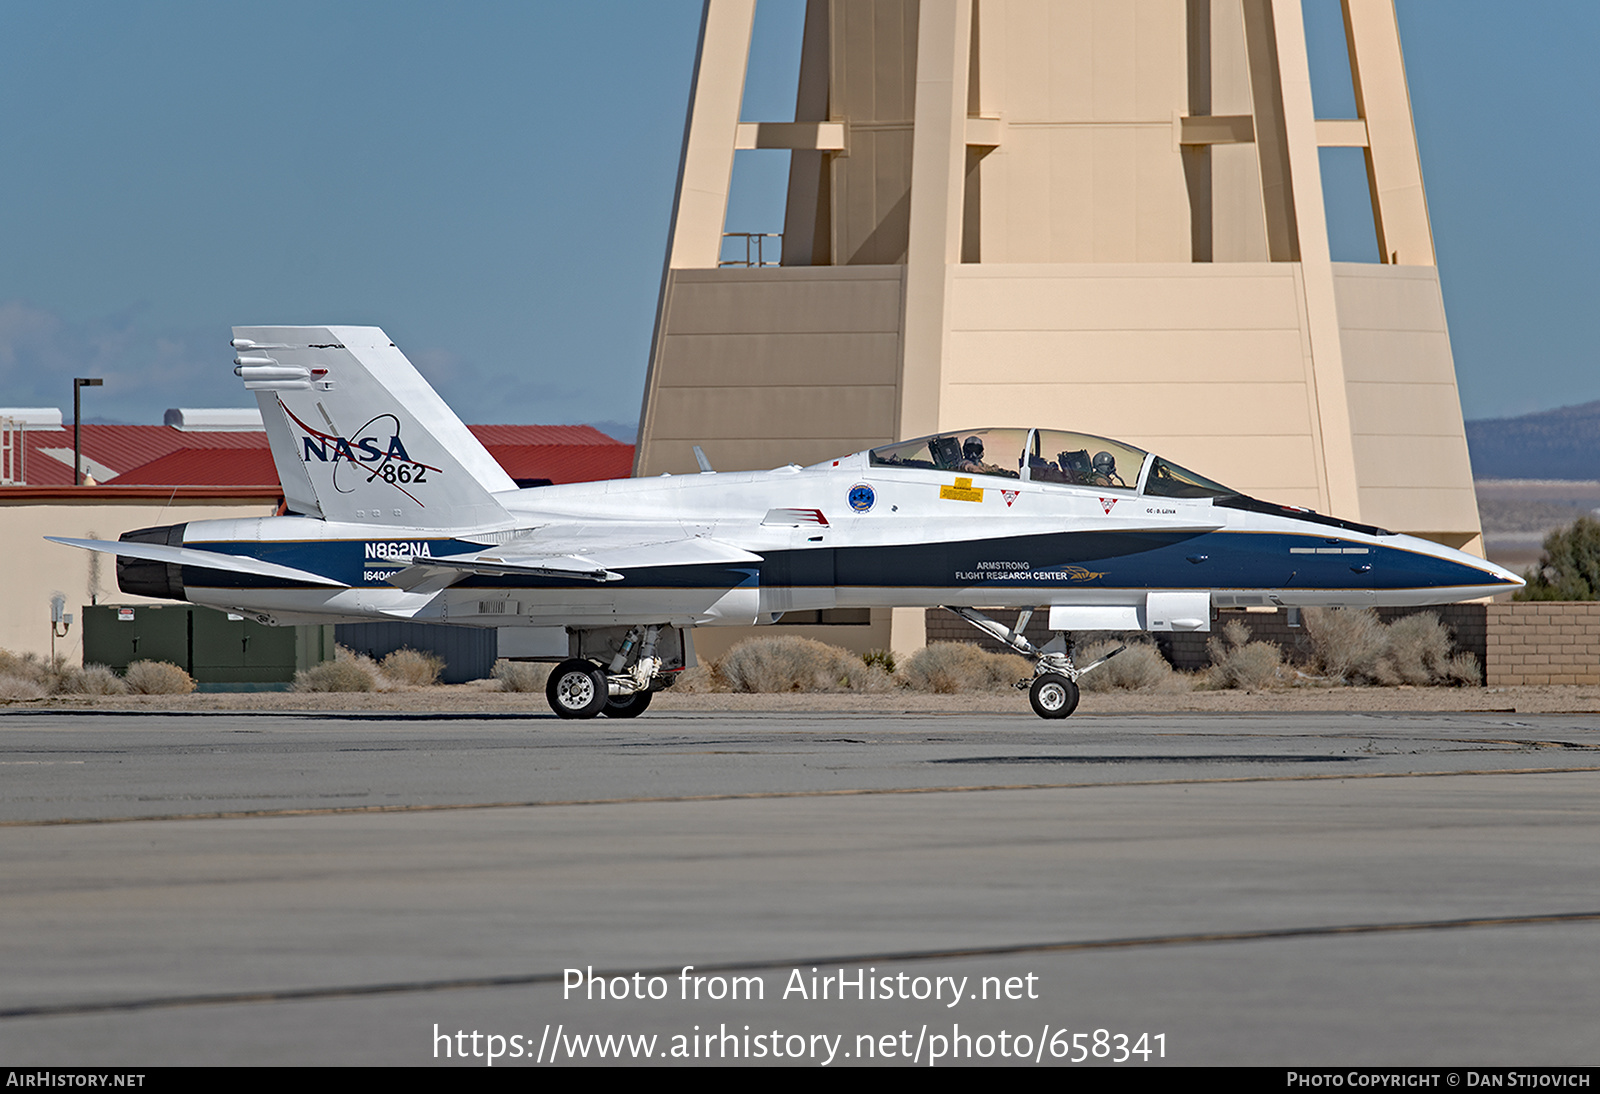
point(491, 183)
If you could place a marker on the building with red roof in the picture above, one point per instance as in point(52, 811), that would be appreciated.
point(147, 475)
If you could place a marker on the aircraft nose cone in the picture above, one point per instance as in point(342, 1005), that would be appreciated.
point(1500, 573)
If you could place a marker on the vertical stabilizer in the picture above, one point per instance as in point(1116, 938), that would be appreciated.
point(358, 434)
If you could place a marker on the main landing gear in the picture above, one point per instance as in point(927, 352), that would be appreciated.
point(580, 688)
point(1053, 690)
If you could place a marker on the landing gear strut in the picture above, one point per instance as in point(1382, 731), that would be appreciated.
point(580, 688)
point(1053, 690)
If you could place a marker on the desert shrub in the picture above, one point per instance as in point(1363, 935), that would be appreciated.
point(29, 676)
point(949, 667)
point(521, 675)
point(23, 665)
point(1569, 569)
point(791, 663)
point(1463, 670)
point(33, 672)
point(1417, 650)
point(1344, 644)
point(16, 686)
point(412, 667)
point(1140, 667)
point(701, 679)
point(348, 671)
point(94, 680)
point(157, 678)
point(1354, 647)
point(883, 659)
point(1237, 662)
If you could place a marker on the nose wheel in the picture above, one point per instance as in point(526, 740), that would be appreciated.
point(1053, 695)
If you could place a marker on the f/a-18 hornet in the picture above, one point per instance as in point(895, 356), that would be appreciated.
point(396, 511)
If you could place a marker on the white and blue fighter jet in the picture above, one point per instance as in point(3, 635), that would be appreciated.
point(396, 511)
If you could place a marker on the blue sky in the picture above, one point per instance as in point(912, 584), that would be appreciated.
point(491, 182)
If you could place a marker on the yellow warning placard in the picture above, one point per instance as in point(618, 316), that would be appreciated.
point(962, 490)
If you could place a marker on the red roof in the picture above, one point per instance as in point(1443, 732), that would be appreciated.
point(492, 435)
point(205, 467)
point(120, 448)
point(565, 462)
point(158, 455)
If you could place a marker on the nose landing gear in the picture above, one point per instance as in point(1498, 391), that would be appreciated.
point(1053, 690)
point(1053, 696)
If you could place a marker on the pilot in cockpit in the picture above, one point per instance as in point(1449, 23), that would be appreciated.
point(1105, 470)
point(972, 459)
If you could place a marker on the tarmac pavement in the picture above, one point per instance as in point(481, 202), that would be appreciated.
point(1333, 889)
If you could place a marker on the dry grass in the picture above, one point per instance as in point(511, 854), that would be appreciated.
point(1140, 667)
point(790, 663)
point(157, 678)
point(521, 675)
point(948, 668)
point(412, 668)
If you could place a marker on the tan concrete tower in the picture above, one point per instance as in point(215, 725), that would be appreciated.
point(1097, 215)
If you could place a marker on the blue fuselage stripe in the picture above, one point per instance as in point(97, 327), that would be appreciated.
point(1105, 560)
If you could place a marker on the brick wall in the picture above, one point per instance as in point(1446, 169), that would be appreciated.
point(1543, 642)
point(1553, 642)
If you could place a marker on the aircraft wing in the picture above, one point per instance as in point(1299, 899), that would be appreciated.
point(190, 556)
point(587, 554)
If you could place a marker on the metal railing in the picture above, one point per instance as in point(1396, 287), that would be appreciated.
point(13, 453)
point(754, 249)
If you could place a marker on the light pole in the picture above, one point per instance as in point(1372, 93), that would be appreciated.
point(78, 384)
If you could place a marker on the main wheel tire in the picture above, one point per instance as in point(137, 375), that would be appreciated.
point(627, 706)
point(1053, 696)
point(576, 689)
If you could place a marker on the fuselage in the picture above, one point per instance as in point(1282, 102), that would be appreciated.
point(852, 532)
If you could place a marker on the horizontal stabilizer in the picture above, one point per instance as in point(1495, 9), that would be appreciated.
point(189, 556)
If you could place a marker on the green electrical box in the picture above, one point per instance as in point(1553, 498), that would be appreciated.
point(214, 647)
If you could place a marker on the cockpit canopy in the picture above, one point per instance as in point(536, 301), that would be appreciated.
point(1050, 455)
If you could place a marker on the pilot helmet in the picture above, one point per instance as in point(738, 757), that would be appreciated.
point(1105, 464)
point(972, 448)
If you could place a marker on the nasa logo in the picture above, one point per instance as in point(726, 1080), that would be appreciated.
point(389, 462)
point(862, 497)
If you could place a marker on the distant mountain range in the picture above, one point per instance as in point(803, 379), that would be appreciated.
point(1551, 444)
